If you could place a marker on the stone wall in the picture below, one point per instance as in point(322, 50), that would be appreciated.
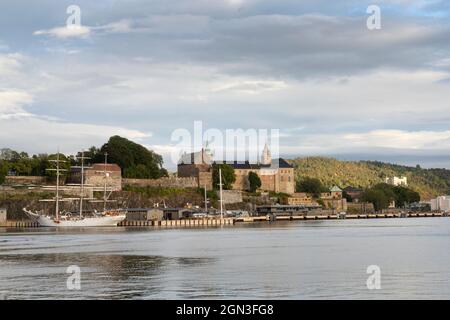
point(2, 215)
point(25, 180)
point(205, 179)
point(166, 182)
point(231, 196)
point(360, 208)
point(113, 182)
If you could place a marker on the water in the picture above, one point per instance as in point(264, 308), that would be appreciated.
point(292, 260)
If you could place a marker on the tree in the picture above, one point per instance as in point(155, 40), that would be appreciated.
point(3, 170)
point(135, 160)
point(228, 176)
point(64, 165)
point(254, 181)
point(311, 185)
point(405, 196)
point(348, 197)
point(382, 194)
point(377, 197)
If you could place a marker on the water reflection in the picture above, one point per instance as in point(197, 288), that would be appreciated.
point(293, 260)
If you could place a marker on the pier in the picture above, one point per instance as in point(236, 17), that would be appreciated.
point(215, 222)
point(183, 223)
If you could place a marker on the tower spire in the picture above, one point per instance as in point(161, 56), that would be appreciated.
point(266, 157)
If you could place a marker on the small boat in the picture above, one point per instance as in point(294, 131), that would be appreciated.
point(107, 218)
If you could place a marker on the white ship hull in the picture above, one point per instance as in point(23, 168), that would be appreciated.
point(101, 221)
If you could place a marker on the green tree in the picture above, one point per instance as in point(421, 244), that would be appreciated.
point(347, 196)
point(64, 165)
point(3, 170)
point(228, 176)
point(404, 196)
point(135, 160)
point(311, 185)
point(254, 181)
point(377, 197)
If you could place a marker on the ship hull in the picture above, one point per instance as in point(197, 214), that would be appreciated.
point(103, 221)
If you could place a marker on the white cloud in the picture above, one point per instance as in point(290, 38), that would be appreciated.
point(10, 63)
point(66, 32)
point(12, 102)
point(398, 139)
point(401, 140)
point(37, 135)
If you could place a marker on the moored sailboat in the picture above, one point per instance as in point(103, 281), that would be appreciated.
point(106, 218)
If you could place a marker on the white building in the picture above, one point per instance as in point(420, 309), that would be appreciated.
point(441, 203)
point(396, 181)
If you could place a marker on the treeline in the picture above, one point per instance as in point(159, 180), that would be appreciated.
point(382, 195)
point(366, 174)
point(135, 160)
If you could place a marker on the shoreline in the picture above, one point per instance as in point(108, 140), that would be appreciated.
point(192, 223)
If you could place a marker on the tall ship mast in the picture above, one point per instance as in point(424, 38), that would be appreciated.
point(104, 218)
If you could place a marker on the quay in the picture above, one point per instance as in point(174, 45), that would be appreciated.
point(178, 223)
point(214, 222)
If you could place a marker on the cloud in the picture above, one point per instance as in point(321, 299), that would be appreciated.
point(239, 64)
point(10, 63)
point(12, 102)
point(375, 140)
point(40, 135)
point(66, 32)
point(398, 139)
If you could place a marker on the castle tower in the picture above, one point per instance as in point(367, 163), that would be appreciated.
point(266, 157)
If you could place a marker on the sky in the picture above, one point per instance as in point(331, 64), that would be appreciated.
point(312, 69)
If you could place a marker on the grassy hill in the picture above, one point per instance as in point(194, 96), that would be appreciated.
point(428, 182)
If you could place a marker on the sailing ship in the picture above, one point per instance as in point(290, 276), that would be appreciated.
point(106, 218)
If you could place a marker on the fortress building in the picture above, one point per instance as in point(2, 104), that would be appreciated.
point(276, 175)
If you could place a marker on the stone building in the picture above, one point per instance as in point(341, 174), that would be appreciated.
point(197, 165)
point(276, 174)
point(354, 193)
point(299, 199)
point(94, 176)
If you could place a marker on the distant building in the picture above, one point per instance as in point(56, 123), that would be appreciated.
point(396, 181)
point(299, 199)
point(94, 176)
point(441, 203)
point(335, 193)
point(334, 199)
point(197, 165)
point(354, 193)
point(276, 175)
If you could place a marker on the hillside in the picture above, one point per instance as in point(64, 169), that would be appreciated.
point(428, 182)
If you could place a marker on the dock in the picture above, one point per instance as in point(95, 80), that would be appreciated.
point(215, 222)
point(182, 223)
point(336, 216)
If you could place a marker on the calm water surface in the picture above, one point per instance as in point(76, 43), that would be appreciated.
point(293, 260)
